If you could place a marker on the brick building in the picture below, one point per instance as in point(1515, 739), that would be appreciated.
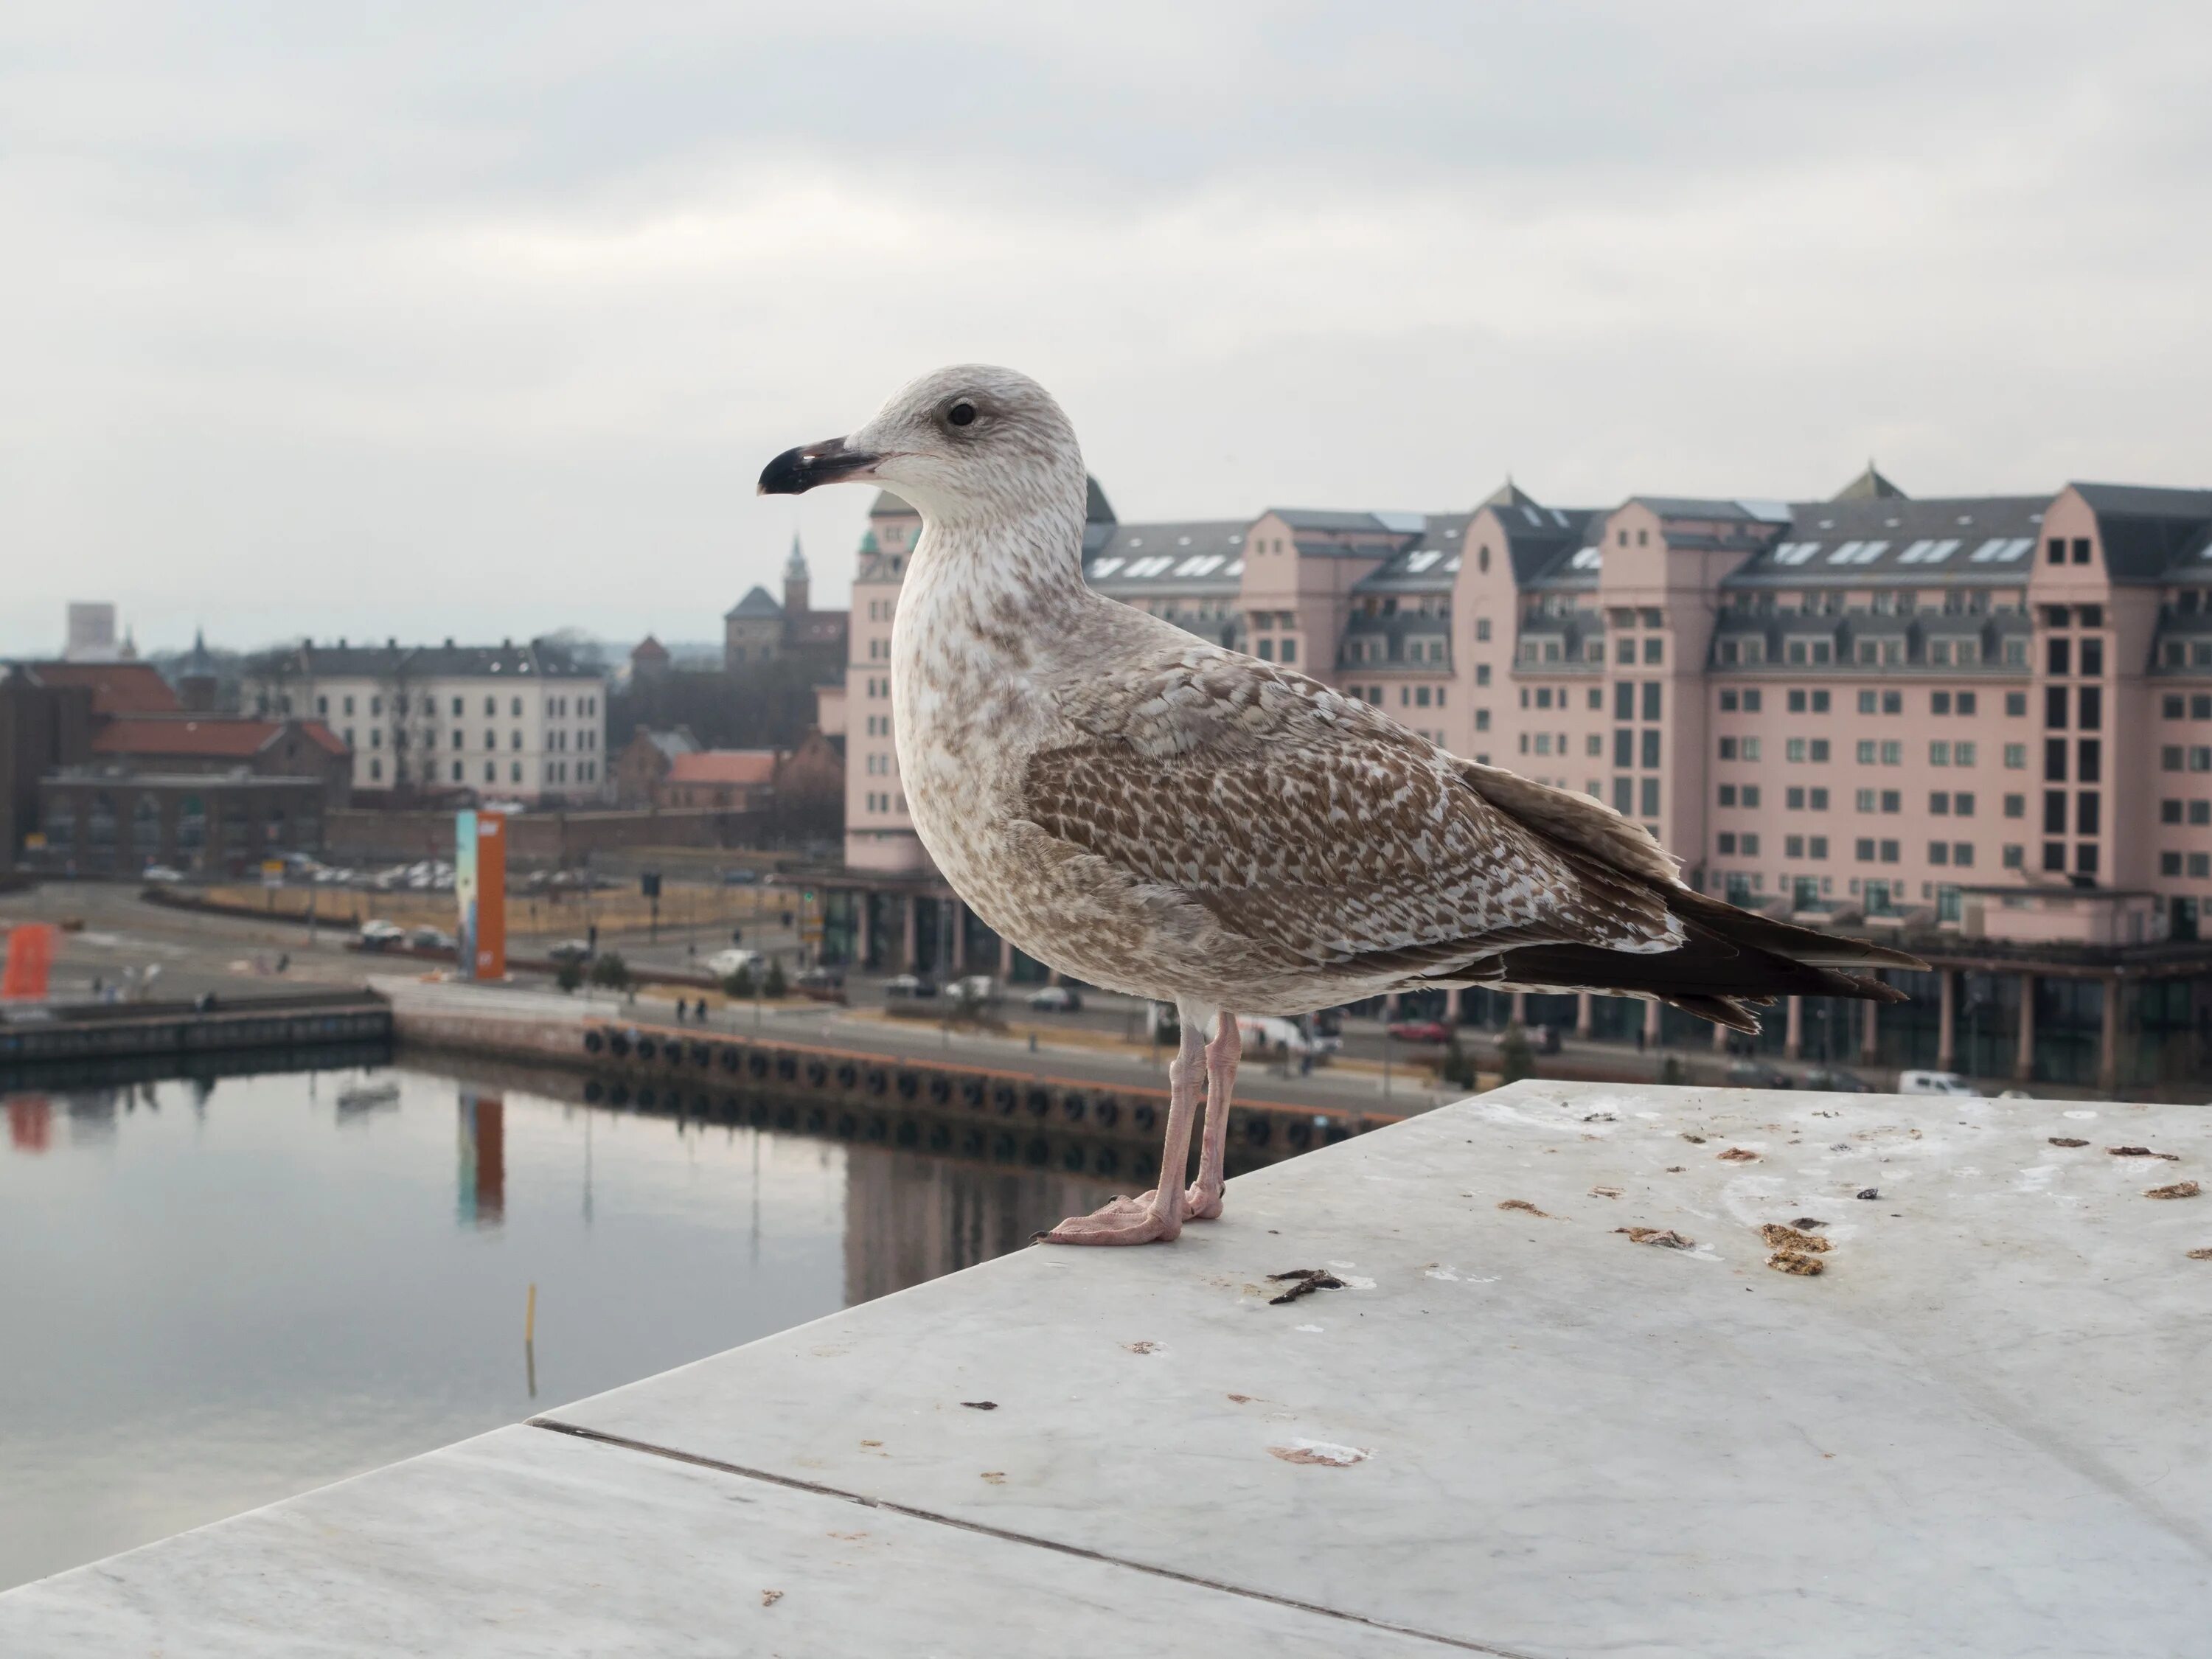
point(760, 629)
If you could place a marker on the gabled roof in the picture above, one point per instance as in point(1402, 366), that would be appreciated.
point(887, 506)
point(757, 606)
point(648, 649)
point(676, 740)
point(117, 688)
point(212, 737)
point(726, 766)
point(1870, 486)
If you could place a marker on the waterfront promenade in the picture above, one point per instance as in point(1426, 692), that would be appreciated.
point(1515, 1428)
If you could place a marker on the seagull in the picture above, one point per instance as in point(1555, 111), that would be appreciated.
point(1172, 819)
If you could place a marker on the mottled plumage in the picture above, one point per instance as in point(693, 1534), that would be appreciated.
point(1162, 816)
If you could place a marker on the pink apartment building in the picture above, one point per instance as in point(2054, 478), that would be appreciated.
point(1979, 725)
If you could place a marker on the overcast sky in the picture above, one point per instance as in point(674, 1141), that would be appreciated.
point(480, 320)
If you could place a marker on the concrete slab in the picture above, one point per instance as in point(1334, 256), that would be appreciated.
point(1515, 1429)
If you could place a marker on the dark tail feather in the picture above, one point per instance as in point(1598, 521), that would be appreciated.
point(1711, 977)
point(1784, 939)
point(1722, 1011)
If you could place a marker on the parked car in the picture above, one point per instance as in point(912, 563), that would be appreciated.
point(1268, 1034)
point(1057, 999)
point(974, 988)
point(571, 950)
point(723, 963)
point(900, 987)
point(1936, 1082)
point(1420, 1031)
point(2014, 1094)
point(432, 938)
point(381, 935)
point(823, 984)
point(1758, 1074)
point(160, 872)
point(740, 877)
point(1834, 1081)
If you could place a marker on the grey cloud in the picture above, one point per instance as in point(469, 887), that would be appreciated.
point(479, 318)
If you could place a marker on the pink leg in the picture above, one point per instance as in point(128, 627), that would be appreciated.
point(1158, 1214)
point(1204, 1198)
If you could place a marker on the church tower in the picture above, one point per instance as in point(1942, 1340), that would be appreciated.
point(796, 581)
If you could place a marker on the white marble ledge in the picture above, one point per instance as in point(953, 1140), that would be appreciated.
point(1978, 1432)
point(1975, 1432)
point(529, 1543)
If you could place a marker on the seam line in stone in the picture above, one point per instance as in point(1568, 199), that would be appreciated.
point(1004, 1535)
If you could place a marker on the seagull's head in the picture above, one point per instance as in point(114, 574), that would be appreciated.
point(965, 443)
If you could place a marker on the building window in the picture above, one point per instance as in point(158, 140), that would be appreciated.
point(1650, 791)
point(1939, 852)
point(1652, 650)
point(1820, 851)
point(1624, 796)
point(1889, 852)
point(2016, 857)
point(2015, 756)
point(1724, 844)
point(1651, 742)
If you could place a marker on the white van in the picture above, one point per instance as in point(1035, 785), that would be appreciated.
point(1936, 1082)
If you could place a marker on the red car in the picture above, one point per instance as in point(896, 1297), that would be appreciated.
point(1421, 1030)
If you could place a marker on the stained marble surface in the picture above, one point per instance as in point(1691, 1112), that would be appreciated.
point(523, 1542)
point(1976, 1431)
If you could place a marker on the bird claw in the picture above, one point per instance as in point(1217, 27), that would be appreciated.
point(1122, 1221)
point(1200, 1204)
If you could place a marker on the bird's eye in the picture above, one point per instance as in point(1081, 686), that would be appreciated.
point(960, 414)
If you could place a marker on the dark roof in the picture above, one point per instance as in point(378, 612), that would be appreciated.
point(2150, 535)
point(1543, 541)
point(1887, 540)
point(758, 605)
point(1394, 630)
point(1869, 485)
point(1204, 556)
point(1303, 518)
point(391, 661)
point(648, 649)
point(1426, 564)
point(1700, 507)
point(1095, 507)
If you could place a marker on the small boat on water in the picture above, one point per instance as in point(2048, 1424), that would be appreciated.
point(369, 1095)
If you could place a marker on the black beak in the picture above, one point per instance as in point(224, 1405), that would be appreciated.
point(798, 470)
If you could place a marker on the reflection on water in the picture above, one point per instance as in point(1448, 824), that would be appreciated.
point(214, 1295)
